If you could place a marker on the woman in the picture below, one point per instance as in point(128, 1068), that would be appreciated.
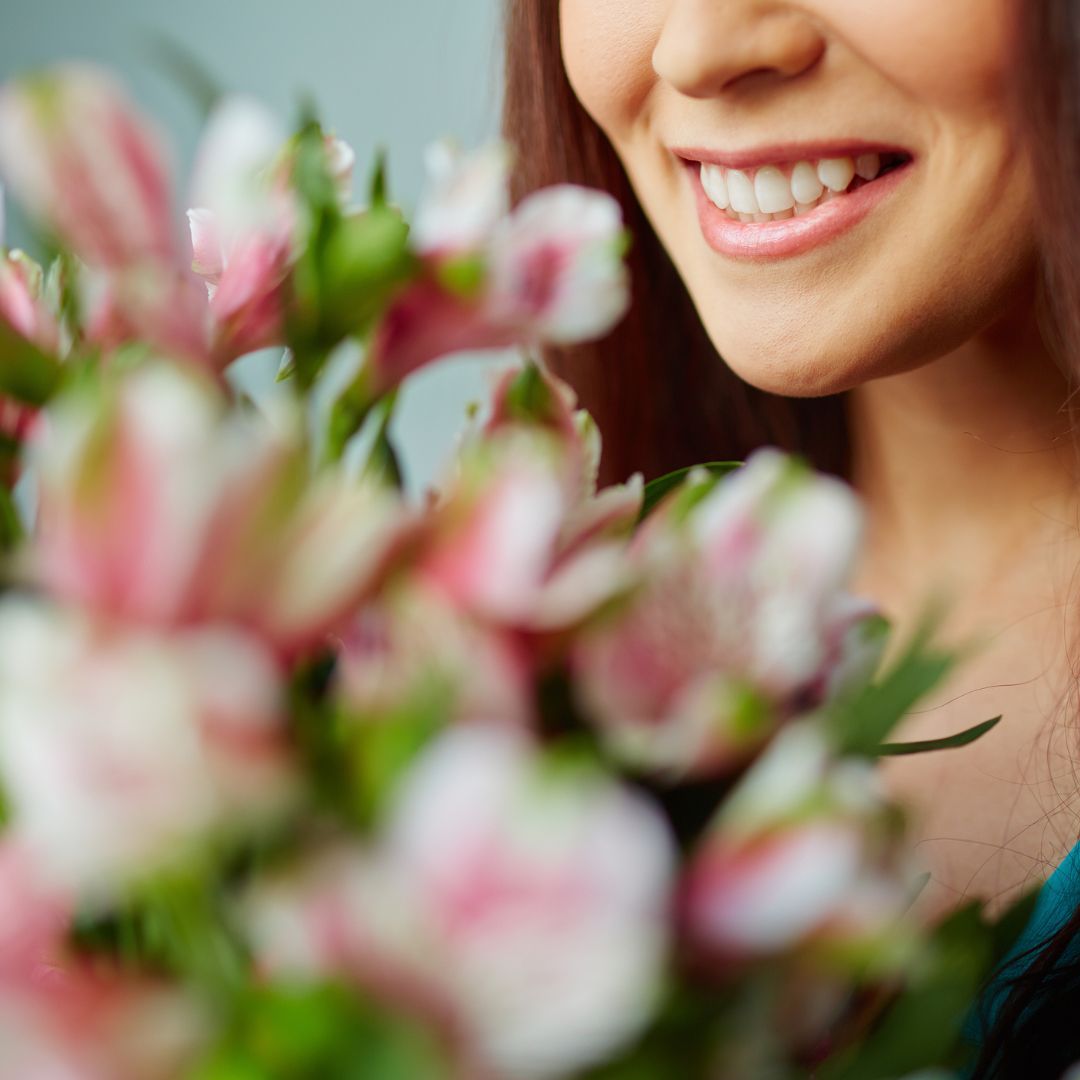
point(871, 212)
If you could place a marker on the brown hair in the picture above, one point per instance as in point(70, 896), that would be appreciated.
point(661, 395)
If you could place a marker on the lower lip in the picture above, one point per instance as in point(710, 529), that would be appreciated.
point(790, 236)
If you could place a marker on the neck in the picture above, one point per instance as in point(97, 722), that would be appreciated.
point(962, 464)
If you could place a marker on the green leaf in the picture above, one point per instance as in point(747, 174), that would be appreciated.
point(382, 748)
point(377, 188)
point(294, 1032)
point(11, 527)
point(923, 1026)
point(26, 373)
point(656, 489)
point(383, 462)
point(862, 720)
point(949, 742)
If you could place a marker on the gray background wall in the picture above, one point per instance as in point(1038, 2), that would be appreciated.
point(396, 73)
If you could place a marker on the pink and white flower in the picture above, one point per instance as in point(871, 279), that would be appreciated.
point(88, 165)
point(243, 227)
point(513, 542)
point(549, 271)
point(120, 749)
point(465, 198)
point(803, 853)
point(82, 1023)
point(160, 505)
point(411, 649)
point(523, 901)
point(740, 619)
point(24, 311)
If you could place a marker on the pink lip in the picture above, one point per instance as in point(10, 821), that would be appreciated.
point(791, 236)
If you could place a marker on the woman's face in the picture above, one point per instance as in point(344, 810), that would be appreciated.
point(910, 239)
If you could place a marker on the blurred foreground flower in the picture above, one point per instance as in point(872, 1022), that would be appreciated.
point(740, 620)
point(804, 852)
point(550, 271)
point(159, 504)
point(120, 750)
point(89, 167)
point(521, 537)
point(520, 903)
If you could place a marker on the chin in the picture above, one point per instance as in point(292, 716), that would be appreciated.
point(799, 366)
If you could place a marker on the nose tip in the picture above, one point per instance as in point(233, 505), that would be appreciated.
point(706, 47)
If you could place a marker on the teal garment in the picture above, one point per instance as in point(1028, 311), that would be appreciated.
point(1058, 900)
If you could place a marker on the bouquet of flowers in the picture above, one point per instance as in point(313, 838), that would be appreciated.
point(302, 778)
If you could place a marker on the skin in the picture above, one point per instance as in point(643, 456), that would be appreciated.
point(924, 313)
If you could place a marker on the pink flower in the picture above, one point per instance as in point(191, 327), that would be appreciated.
point(514, 543)
point(412, 651)
point(530, 901)
point(739, 621)
point(549, 271)
point(34, 916)
point(120, 749)
point(22, 305)
point(88, 165)
point(803, 853)
point(465, 199)
point(93, 1024)
point(243, 227)
point(159, 505)
point(23, 310)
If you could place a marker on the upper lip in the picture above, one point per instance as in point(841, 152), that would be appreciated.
point(783, 153)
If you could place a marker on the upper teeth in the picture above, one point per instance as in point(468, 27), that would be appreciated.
point(771, 190)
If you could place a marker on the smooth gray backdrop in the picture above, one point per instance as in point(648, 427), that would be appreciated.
point(393, 73)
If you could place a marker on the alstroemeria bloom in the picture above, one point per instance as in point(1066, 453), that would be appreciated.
point(34, 915)
point(82, 1022)
point(803, 851)
point(87, 164)
point(740, 621)
point(521, 901)
point(122, 748)
point(23, 311)
point(159, 504)
point(22, 306)
point(411, 650)
point(242, 227)
point(550, 270)
point(84, 160)
point(514, 543)
point(245, 221)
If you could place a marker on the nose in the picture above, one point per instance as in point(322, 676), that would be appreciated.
point(707, 46)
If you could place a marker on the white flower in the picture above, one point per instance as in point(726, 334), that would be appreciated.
point(119, 749)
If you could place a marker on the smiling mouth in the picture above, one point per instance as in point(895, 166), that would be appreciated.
point(776, 192)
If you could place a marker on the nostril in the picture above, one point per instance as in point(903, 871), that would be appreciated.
point(705, 47)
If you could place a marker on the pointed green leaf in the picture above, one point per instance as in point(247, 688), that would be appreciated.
point(863, 719)
point(657, 488)
point(377, 189)
point(949, 742)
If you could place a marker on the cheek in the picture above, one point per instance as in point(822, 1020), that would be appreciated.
point(952, 53)
point(607, 52)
